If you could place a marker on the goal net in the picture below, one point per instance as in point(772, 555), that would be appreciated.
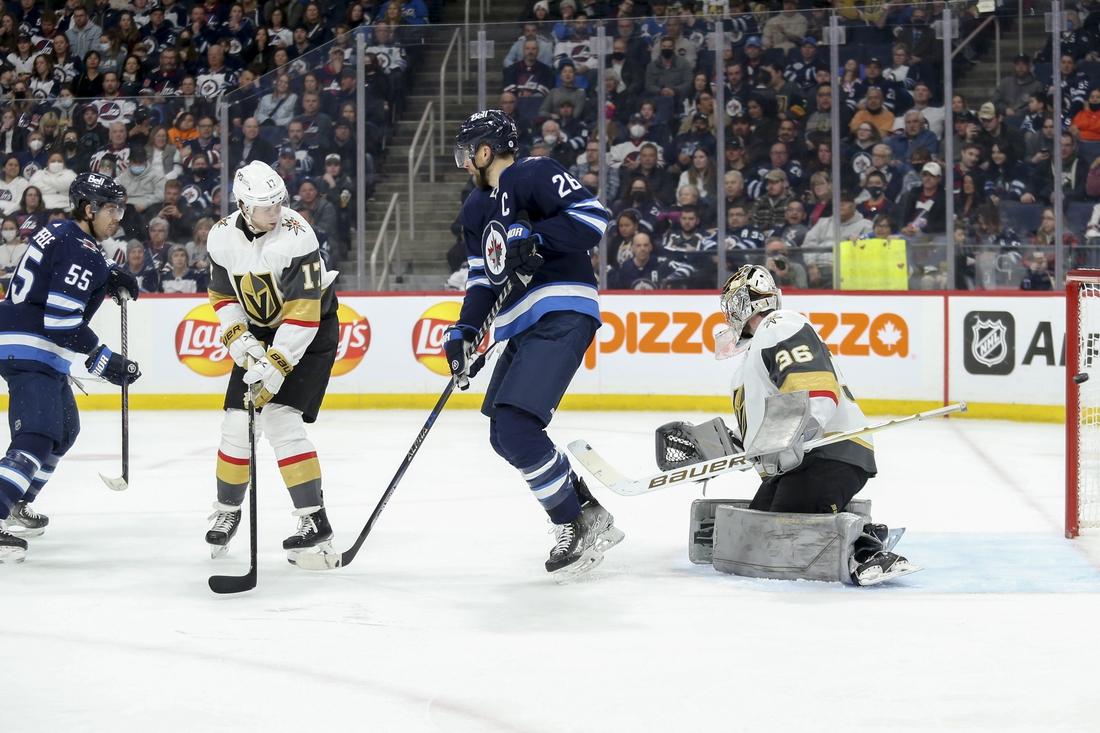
point(1082, 400)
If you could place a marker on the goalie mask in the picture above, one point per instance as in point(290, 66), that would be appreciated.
point(261, 194)
point(749, 291)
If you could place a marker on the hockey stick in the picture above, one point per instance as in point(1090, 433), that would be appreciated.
point(123, 482)
point(241, 583)
point(331, 561)
point(620, 484)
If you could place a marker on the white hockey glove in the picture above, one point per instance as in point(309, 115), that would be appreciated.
point(265, 377)
point(242, 344)
point(773, 464)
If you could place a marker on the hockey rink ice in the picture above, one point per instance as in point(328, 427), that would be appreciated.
point(446, 620)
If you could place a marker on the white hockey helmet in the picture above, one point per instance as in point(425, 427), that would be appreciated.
point(258, 186)
point(749, 291)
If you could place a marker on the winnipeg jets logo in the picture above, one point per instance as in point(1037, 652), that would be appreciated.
point(493, 244)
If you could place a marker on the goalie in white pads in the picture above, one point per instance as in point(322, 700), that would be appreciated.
point(275, 301)
point(777, 351)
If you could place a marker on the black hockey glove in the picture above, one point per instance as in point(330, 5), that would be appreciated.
point(111, 366)
point(458, 343)
point(522, 258)
point(118, 282)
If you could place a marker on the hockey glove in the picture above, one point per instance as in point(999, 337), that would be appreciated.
point(111, 366)
point(265, 377)
point(458, 343)
point(242, 344)
point(522, 259)
point(121, 285)
point(773, 464)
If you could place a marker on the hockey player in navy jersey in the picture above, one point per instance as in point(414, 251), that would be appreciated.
point(532, 222)
point(59, 285)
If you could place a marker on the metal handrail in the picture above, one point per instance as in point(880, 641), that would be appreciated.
point(414, 167)
point(971, 37)
point(393, 210)
point(455, 39)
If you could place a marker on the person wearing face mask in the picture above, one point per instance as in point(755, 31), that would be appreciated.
point(54, 181)
point(144, 186)
point(197, 183)
point(36, 156)
point(1086, 123)
point(876, 203)
point(625, 154)
point(11, 251)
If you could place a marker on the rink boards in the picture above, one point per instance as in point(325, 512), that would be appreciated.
point(899, 352)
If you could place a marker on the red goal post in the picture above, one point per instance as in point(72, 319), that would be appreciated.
point(1082, 400)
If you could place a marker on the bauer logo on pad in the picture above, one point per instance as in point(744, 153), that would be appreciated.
point(989, 342)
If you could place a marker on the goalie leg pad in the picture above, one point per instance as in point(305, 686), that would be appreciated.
point(681, 443)
point(785, 546)
point(297, 456)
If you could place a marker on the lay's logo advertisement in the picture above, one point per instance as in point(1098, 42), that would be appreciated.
point(199, 346)
point(427, 335)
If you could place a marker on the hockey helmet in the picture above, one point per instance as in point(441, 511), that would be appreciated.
point(257, 186)
point(749, 291)
point(492, 127)
point(96, 189)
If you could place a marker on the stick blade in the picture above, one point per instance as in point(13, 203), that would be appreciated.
point(317, 561)
point(225, 584)
point(115, 484)
point(603, 472)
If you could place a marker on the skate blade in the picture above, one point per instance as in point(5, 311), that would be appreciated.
point(324, 550)
point(891, 575)
point(217, 551)
point(13, 555)
point(589, 560)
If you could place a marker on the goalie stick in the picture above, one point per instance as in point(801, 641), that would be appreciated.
point(606, 474)
point(331, 561)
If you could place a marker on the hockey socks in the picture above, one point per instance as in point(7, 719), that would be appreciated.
point(17, 470)
point(551, 481)
point(45, 473)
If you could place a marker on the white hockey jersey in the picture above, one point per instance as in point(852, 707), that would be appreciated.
point(787, 355)
point(276, 280)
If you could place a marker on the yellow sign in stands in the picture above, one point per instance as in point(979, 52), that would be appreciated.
point(874, 264)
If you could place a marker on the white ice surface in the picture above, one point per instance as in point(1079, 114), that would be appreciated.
point(447, 621)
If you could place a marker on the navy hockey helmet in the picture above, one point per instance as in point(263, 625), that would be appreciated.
point(492, 127)
point(97, 189)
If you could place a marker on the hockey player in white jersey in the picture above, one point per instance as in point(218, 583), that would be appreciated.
point(778, 351)
point(277, 307)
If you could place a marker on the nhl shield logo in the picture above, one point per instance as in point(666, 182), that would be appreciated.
point(989, 342)
point(494, 242)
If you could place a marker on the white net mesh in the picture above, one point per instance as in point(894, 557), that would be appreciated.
point(1088, 417)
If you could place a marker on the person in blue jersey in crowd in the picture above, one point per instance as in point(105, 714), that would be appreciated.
point(59, 285)
point(532, 223)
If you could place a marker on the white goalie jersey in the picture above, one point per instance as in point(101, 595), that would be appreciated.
point(273, 281)
point(787, 355)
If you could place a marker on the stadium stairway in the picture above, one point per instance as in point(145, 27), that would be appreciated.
point(424, 258)
point(978, 83)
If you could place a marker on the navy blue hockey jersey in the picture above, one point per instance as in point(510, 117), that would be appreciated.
point(58, 287)
point(570, 220)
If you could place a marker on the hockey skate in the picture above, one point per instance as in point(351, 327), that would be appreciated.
point(313, 531)
point(581, 544)
point(226, 520)
point(12, 549)
point(25, 521)
point(881, 567)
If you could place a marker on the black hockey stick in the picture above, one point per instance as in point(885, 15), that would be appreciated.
point(123, 482)
point(241, 583)
point(331, 561)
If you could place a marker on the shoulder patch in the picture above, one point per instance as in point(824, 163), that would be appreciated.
point(222, 222)
point(293, 225)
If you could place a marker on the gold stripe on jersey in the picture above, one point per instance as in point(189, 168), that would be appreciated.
point(811, 382)
point(859, 441)
point(739, 409)
point(259, 296)
point(302, 310)
point(217, 298)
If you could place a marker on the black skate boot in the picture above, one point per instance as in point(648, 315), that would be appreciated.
point(12, 549)
point(872, 562)
point(25, 521)
point(582, 542)
point(226, 520)
point(313, 531)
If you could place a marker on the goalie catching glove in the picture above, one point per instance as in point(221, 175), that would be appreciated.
point(242, 344)
point(112, 367)
point(266, 376)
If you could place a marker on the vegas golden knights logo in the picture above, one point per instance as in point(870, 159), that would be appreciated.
point(258, 296)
